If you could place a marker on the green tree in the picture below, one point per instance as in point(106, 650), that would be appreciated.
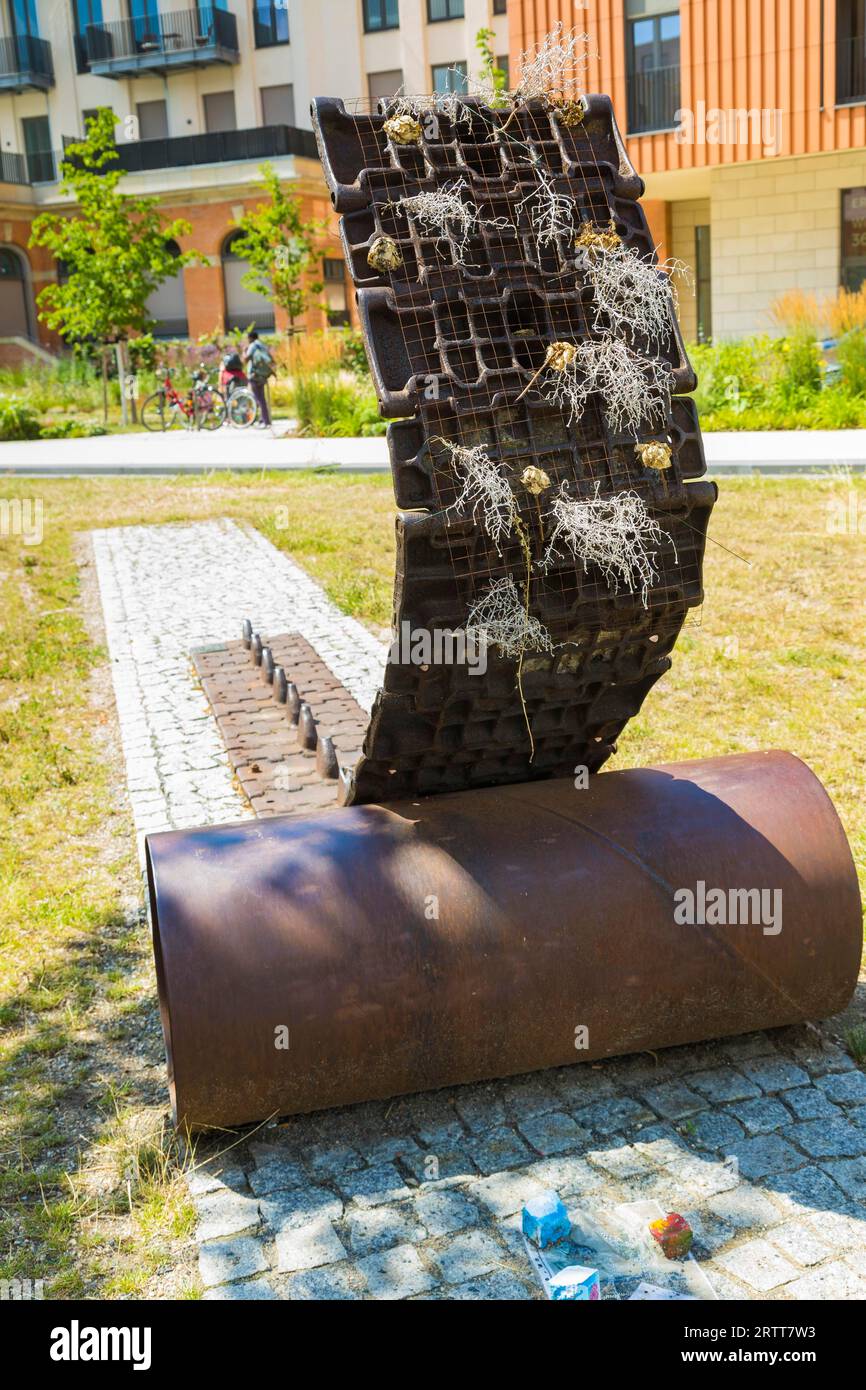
point(114, 248)
point(493, 76)
point(281, 249)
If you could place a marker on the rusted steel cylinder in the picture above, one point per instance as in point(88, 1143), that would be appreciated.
point(416, 945)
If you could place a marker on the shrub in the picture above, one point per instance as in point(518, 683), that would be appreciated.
point(798, 374)
point(846, 312)
point(17, 419)
point(308, 354)
point(851, 356)
point(733, 376)
point(72, 429)
point(797, 314)
point(335, 404)
point(354, 353)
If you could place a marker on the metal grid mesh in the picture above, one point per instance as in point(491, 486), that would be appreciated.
point(456, 333)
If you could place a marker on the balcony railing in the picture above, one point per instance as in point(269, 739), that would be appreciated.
point(42, 166)
point(25, 62)
point(13, 168)
point(851, 70)
point(214, 147)
point(163, 42)
point(653, 98)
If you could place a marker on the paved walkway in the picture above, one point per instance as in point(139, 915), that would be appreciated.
point(782, 451)
point(167, 589)
point(760, 1141)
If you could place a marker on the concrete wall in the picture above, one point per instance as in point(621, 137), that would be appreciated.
point(776, 228)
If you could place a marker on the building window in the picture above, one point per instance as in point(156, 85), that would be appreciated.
point(270, 22)
point(653, 72)
point(703, 285)
point(84, 12)
point(381, 14)
point(500, 6)
point(24, 22)
point(444, 9)
point(278, 105)
point(219, 111)
point(336, 302)
point(37, 149)
point(152, 120)
point(381, 86)
point(166, 305)
point(450, 77)
point(504, 66)
point(144, 15)
point(854, 238)
point(244, 308)
point(851, 51)
point(15, 314)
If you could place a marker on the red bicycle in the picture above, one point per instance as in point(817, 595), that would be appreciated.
point(202, 408)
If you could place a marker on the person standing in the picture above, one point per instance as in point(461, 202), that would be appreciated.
point(260, 364)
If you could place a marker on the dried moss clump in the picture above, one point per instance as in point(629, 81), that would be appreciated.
point(654, 455)
point(384, 254)
point(403, 129)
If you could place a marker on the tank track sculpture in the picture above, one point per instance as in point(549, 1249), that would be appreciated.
point(453, 342)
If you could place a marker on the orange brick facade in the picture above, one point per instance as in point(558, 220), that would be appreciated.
point(211, 220)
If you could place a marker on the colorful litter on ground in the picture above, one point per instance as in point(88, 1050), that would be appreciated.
point(631, 1253)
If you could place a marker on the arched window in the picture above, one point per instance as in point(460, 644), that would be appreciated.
point(167, 304)
point(10, 266)
point(243, 306)
point(16, 319)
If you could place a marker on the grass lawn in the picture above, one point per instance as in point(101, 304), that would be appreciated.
point(90, 1200)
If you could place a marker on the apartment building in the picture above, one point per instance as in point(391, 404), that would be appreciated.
point(203, 95)
point(747, 120)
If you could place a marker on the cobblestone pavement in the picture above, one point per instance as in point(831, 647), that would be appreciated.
point(759, 1141)
point(167, 589)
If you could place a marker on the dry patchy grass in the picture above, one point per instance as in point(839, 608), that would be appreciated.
point(90, 1197)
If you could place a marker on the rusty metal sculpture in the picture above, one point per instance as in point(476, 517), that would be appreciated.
point(562, 515)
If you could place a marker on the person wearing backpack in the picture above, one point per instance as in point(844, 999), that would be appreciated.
point(260, 364)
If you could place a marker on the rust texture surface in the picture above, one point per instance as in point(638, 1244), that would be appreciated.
point(554, 907)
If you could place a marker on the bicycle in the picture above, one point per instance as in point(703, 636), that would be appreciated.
point(203, 407)
point(241, 406)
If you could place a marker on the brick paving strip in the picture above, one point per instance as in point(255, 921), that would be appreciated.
point(759, 1141)
point(277, 774)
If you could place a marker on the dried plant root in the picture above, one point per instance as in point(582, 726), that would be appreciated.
point(635, 390)
point(551, 214)
point(445, 213)
point(632, 294)
point(554, 69)
point(616, 534)
point(485, 494)
point(500, 619)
